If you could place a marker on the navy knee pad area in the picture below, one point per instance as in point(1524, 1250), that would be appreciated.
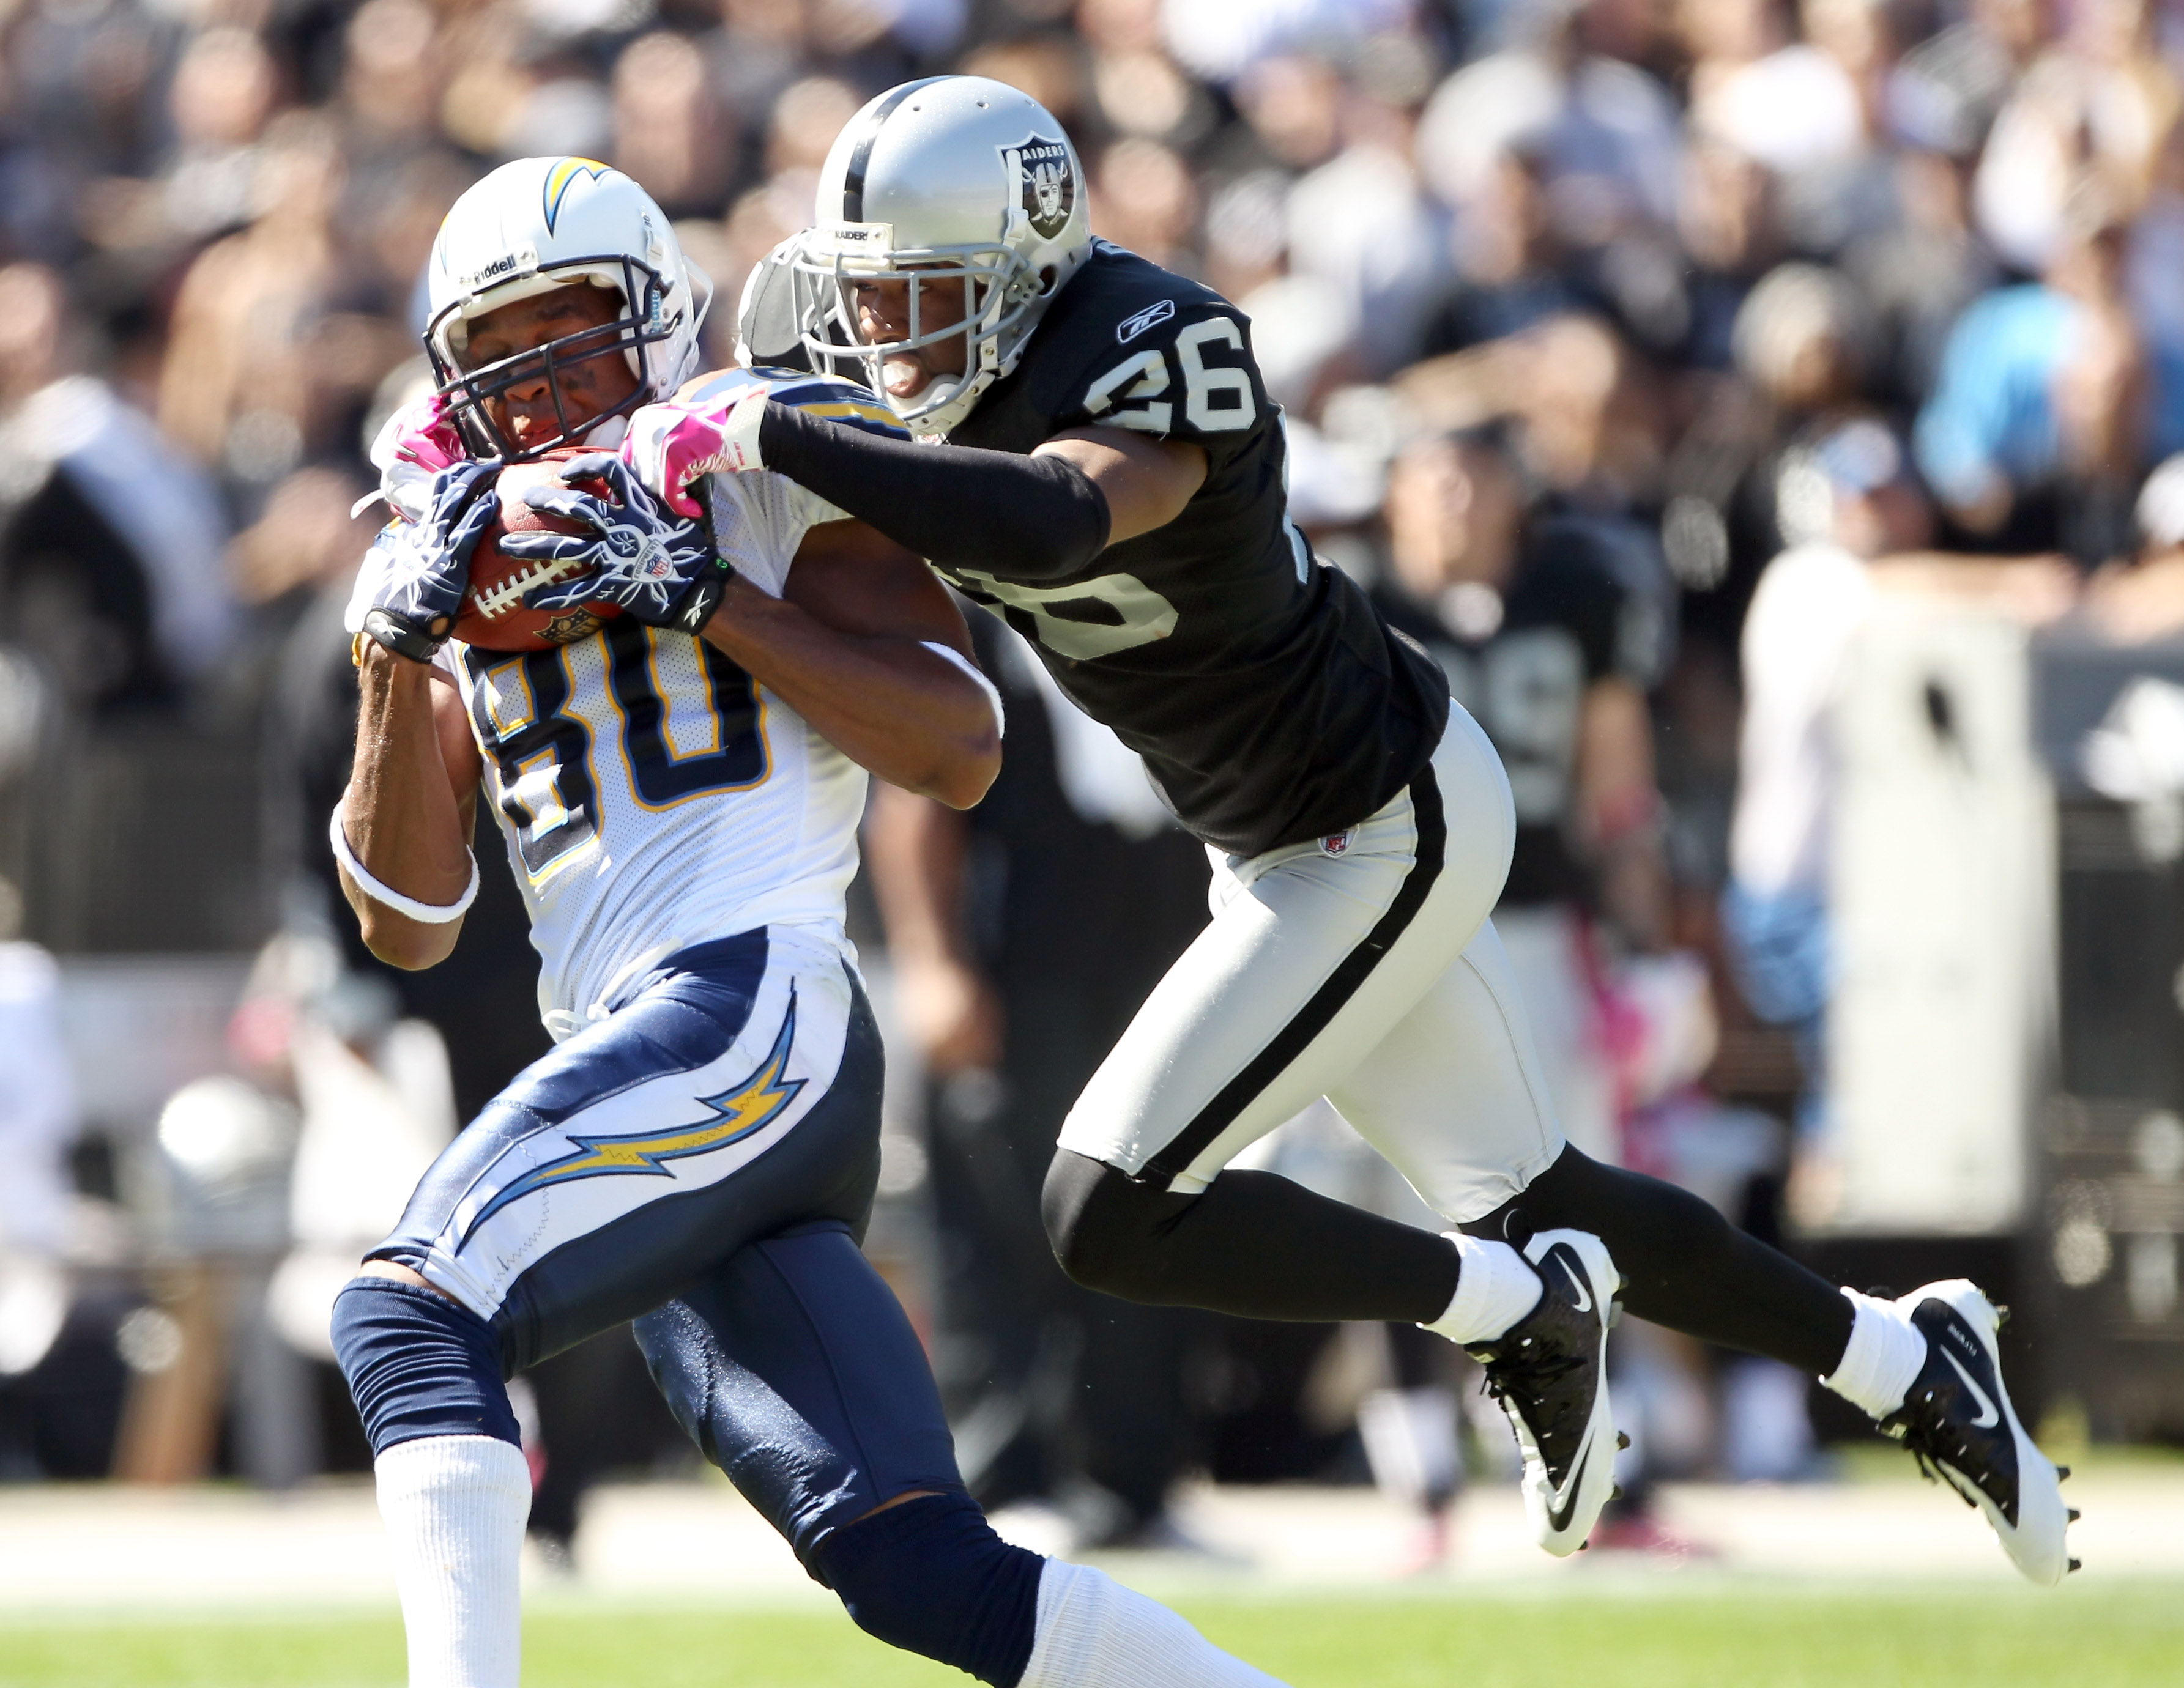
point(930, 1576)
point(419, 1365)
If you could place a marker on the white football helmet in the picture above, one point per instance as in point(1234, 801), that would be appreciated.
point(543, 223)
point(953, 181)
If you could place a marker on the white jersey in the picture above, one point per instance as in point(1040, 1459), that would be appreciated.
point(651, 794)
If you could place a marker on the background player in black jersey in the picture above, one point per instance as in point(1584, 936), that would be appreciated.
point(1060, 1398)
point(1113, 485)
point(1551, 628)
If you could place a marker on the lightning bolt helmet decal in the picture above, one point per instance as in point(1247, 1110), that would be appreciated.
point(562, 175)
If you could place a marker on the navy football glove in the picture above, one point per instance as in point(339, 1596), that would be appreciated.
point(425, 566)
point(658, 566)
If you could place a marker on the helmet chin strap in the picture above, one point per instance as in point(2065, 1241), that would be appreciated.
point(607, 433)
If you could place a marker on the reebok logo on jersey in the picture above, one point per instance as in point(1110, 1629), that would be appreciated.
point(1131, 327)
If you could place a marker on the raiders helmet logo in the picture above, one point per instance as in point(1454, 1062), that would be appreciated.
point(1045, 182)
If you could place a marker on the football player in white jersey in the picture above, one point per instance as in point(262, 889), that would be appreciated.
point(678, 791)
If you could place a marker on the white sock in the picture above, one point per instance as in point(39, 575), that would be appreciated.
point(1881, 1360)
point(454, 1508)
point(1094, 1633)
point(1495, 1287)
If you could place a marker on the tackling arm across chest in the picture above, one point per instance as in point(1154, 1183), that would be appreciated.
point(1075, 451)
point(865, 645)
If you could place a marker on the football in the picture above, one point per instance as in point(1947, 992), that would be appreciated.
point(493, 617)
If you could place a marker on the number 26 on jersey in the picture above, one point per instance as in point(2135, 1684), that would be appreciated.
point(1141, 391)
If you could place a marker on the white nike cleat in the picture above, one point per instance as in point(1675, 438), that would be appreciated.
point(1957, 1420)
point(1549, 1371)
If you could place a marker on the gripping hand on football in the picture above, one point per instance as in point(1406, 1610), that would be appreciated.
point(658, 566)
point(416, 572)
point(670, 445)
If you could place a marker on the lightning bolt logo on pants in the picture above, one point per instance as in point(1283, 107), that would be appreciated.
point(739, 1112)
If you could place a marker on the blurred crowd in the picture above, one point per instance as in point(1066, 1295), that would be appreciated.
point(1737, 275)
point(1746, 294)
point(1682, 246)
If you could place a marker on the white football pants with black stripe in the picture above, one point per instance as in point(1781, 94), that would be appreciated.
point(1362, 967)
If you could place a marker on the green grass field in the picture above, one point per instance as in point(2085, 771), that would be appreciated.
point(1716, 1635)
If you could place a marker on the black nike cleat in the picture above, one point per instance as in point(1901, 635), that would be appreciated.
point(1549, 1371)
point(1959, 1420)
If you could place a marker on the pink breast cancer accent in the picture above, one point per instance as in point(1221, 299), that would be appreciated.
point(424, 437)
point(672, 444)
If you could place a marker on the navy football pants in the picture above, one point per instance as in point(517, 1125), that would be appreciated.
point(712, 1145)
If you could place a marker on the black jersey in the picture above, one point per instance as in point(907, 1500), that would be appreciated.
point(1270, 702)
point(1572, 617)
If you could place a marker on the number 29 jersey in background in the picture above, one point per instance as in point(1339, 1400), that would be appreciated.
point(652, 795)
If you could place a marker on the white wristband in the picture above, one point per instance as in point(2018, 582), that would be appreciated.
point(431, 913)
point(984, 685)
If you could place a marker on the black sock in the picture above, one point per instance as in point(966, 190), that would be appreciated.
point(1250, 1244)
point(1686, 1266)
point(930, 1576)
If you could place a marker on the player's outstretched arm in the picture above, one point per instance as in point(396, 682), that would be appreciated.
point(1145, 482)
point(1040, 516)
point(848, 645)
point(410, 804)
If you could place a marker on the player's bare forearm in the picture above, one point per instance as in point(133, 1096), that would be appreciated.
point(915, 850)
point(410, 806)
point(896, 708)
point(1145, 481)
point(1619, 810)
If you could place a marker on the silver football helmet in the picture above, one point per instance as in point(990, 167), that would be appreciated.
point(950, 182)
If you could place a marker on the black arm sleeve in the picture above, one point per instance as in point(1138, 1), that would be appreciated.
point(1024, 518)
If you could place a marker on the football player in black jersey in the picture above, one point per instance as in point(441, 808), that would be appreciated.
point(1111, 483)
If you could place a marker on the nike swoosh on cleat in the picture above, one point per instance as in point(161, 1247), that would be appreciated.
point(1580, 1292)
point(1559, 1517)
point(1988, 1417)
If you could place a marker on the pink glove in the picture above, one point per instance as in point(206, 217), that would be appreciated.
point(670, 445)
point(415, 444)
